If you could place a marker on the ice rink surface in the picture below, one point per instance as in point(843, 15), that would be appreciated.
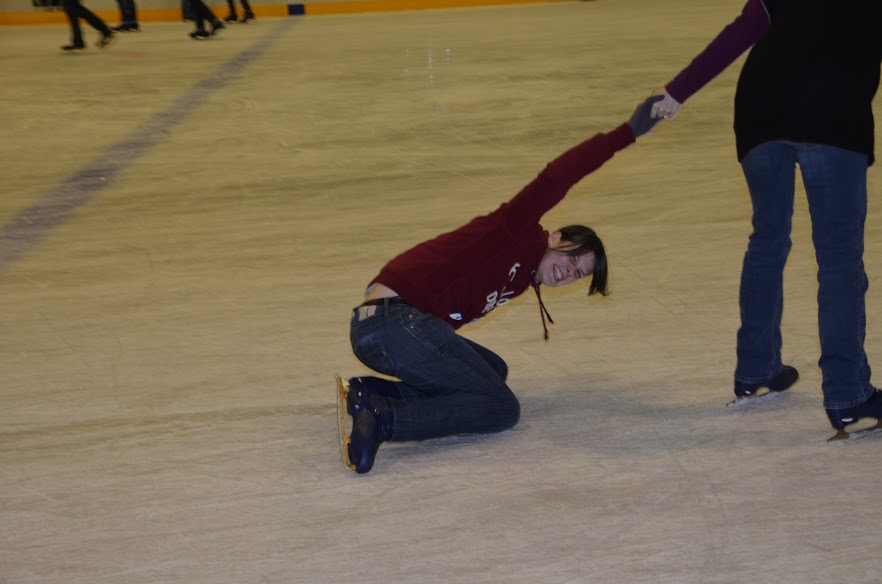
point(186, 227)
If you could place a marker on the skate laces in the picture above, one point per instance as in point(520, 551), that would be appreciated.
point(543, 312)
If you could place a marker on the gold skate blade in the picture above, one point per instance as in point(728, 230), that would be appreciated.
point(342, 394)
point(842, 434)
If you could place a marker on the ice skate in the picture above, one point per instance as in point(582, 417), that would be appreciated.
point(372, 421)
point(105, 40)
point(754, 393)
point(872, 408)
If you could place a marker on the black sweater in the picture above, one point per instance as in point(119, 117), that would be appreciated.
point(812, 76)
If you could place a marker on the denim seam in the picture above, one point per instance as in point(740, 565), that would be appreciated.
point(848, 404)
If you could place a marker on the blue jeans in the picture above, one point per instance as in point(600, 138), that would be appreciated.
point(448, 384)
point(835, 182)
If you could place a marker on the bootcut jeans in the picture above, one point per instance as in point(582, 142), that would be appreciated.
point(448, 384)
point(835, 182)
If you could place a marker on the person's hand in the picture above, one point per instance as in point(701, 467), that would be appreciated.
point(641, 121)
point(665, 108)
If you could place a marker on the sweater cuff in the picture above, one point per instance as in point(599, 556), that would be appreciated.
point(675, 91)
point(621, 137)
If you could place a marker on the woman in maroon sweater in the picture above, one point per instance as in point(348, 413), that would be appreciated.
point(406, 326)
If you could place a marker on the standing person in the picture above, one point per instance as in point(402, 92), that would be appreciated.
point(406, 326)
point(804, 97)
point(75, 11)
point(128, 16)
point(247, 13)
point(201, 13)
point(187, 11)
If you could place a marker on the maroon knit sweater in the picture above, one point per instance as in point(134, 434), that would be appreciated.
point(463, 275)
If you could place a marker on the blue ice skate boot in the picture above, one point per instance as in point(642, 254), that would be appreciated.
point(377, 385)
point(372, 422)
point(872, 408)
point(778, 383)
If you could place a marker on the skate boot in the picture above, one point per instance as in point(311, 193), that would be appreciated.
point(249, 15)
point(872, 408)
point(750, 391)
point(106, 38)
point(231, 18)
point(200, 34)
point(216, 27)
point(73, 48)
point(382, 387)
point(372, 424)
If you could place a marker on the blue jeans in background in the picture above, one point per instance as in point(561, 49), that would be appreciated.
point(75, 11)
point(835, 181)
point(128, 12)
point(448, 384)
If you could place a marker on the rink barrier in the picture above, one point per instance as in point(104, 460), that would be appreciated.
point(57, 16)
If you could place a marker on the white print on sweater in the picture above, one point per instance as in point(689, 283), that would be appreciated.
point(502, 297)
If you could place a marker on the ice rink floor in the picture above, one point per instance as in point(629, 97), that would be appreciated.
point(185, 227)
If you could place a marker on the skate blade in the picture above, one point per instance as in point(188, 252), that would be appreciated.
point(843, 435)
point(342, 394)
point(754, 399)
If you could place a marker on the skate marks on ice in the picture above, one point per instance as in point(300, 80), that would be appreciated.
point(748, 402)
point(342, 394)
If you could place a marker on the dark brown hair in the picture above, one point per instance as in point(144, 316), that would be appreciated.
point(581, 240)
